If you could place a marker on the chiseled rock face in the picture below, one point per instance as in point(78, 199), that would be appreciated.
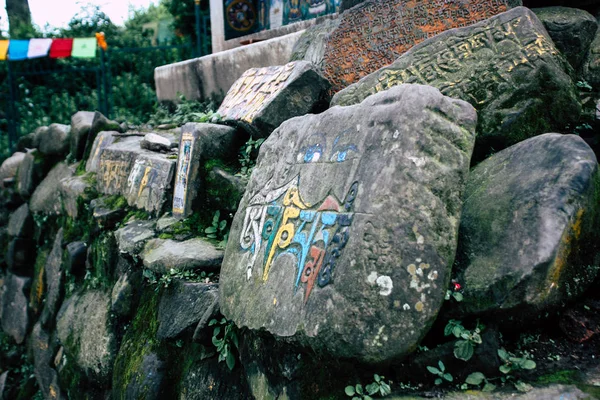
point(55, 141)
point(527, 233)
point(572, 31)
point(15, 318)
point(102, 141)
point(115, 164)
point(46, 198)
point(81, 122)
point(160, 255)
point(84, 329)
point(347, 232)
point(265, 97)
point(507, 67)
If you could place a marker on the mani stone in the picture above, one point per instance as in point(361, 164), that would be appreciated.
point(15, 318)
point(198, 144)
point(572, 31)
point(528, 233)
point(375, 33)
point(265, 97)
point(149, 182)
point(99, 124)
point(46, 198)
point(161, 255)
point(102, 141)
point(115, 165)
point(507, 67)
point(55, 141)
point(347, 232)
point(85, 330)
point(81, 122)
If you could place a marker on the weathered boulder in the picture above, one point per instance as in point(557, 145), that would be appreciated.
point(31, 140)
point(591, 65)
point(160, 255)
point(133, 236)
point(31, 172)
point(101, 142)
point(154, 142)
point(571, 29)
point(84, 328)
point(122, 294)
point(183, 305)
point(20, 223)
point(507, 67)
point(72, 188)
point(527, 235)
point(10, 166)
point(375, 33)
point(198, 144)
point(54, 282)
point(147, 380)
point(43, 348)
point(348, 229)
point(224, 189)
point(46, 198)
point(265, 97)
point(15, 317)
point(210, 379)
point(149, 184)
point(55, 141)
point(81, 122)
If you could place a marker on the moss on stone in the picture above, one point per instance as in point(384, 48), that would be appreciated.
point(115, 202)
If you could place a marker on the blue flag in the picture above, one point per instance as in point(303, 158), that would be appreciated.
point(17, 49)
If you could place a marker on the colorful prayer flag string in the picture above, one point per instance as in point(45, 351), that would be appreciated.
point(14, 50)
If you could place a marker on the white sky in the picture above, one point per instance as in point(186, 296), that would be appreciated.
point(58, 13)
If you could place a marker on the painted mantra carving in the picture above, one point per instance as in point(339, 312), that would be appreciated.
point(375, 34)
point(442, 64)
point(282, 223)
point(183, 173)
point(257, 86)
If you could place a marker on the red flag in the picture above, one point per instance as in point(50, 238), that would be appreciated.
point(61, 48)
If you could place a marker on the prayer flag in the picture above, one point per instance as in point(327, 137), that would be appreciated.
point(38, 48)
point(84, 47)
point(3, 49)
point(101, 40)
point(61, 48)
point(17, 50)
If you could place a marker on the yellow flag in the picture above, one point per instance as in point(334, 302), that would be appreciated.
point(3, 49)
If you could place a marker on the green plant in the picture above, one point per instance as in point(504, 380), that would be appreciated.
point(378, 386)
point(584, 85)
point(217, 229)
point(467, 340)
point(164, 280)
point(513, 363)
point(247, 156)
point(458, 296)
point(225, 339)
point(476, 379)
point(440, 373)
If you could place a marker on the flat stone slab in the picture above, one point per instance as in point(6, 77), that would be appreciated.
point(375, 33)
point(116, 162)
point(265, 97)
point(507, 67)
point(132, 237)
point(160, 255)
point(347, 232)
point(150, 182)
point(154, 142)
point(536, 204)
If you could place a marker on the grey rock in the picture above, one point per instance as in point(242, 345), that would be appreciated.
point(132, 237)
point(43, 348)
point(72, 188)
point(10, 166)
point(160, 255)
point(20, 255)
point(154, 142)
point(54, 282)
point(31, 140)
point(313, 42)
point(55, 141)
point(528, 233)
point(116, 162)
point(150, 181)
point(122, 295)
point(76, 256)
point(15, 314)
point(31, 172)
point(46, 198)
point(519, 90)
point(147, 380)
point(81, 122)
point(211, 379)
point(572, 31)
point(20, 223)
point(102, 141)
point(166, 126)
point(165, 222)
point(199, 143)
point(183, 305)
point(591, 65)
point(265, 97)
point(225, 190)
point(537, 393)
point(106, 217)
point(3, 385)
point(99, 124)
point(373, 193)
point(83, 327)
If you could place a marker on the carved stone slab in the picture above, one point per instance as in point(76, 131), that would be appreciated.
point(375, 33)
point(265, 97)
point(149, 182)
point(115, 165)
point(102, 141)
point(507, 67)
point(347, 231)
